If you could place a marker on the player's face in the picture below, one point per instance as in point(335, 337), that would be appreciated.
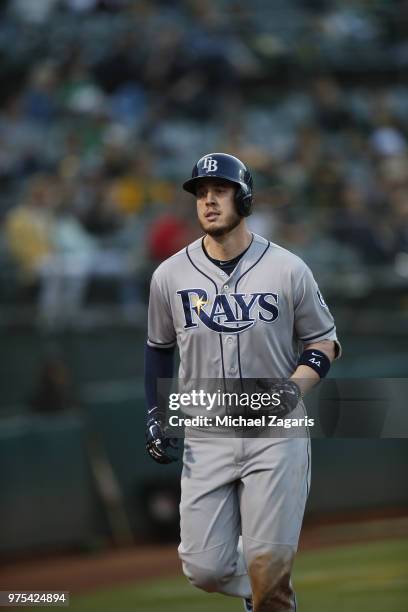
point(216, 210)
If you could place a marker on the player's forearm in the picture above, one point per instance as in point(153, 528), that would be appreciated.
point(305, 377)
point(158, 364)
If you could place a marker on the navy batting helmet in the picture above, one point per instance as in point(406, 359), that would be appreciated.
point(229, 168)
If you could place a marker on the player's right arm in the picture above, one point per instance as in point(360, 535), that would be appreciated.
point(159, 359)
point(158, 364)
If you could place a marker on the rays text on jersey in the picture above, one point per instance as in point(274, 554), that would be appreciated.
point(229, 313)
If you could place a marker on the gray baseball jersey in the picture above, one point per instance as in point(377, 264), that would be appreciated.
point(251, 324)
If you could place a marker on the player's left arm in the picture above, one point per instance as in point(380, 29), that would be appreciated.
point(316, 331)
point(307, 377)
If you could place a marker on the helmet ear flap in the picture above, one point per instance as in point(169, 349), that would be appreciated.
point(243, 201)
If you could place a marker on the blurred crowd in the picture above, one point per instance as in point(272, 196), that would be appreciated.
point(106, 104)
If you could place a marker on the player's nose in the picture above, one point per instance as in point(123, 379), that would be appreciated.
point(210, 197)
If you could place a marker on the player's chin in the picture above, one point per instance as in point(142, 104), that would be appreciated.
point(219, 227)
point(209, 227)
point(214, 230)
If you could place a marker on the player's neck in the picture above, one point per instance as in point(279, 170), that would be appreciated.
point(229, 246)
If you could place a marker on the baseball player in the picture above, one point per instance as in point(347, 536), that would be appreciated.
point(238, 307)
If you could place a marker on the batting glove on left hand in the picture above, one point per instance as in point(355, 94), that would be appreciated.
point(157, 443)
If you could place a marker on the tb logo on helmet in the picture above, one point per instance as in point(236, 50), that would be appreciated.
point(210, 164)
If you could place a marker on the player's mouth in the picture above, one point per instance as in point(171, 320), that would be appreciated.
point(211, 216)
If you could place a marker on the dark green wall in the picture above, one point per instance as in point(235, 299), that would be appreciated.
point(49, 497)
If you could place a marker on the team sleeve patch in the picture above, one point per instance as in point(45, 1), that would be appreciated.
point(321, 299)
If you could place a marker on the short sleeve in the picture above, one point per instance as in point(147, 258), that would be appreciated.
point(313, 319)
point(161, 332)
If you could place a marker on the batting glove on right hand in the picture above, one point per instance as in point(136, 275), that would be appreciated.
point(157, 443)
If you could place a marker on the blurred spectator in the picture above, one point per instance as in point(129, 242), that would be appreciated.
point(331, 111)
point(23, 148)
point(119, 67)
point(324, 183)
point(39, 100)
point(103, 217)
point(387, 140)
point(28, 228)
point(172, 231)
point(79, 259)
point(264, 219)
point(354, 225)
point(399, 217)
point(137, 188)
point(79, 92)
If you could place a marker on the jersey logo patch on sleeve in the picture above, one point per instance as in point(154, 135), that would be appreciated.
point(232, 314)
point(321, 299)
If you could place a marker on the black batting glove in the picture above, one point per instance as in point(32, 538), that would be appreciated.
point(289, 394)
point(157, 443)
point(288, 391)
